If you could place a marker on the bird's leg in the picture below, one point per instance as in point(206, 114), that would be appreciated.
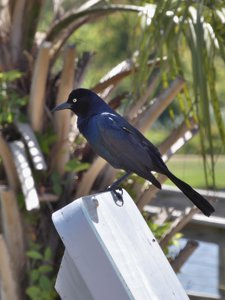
point(118, 190)
point(116, 184)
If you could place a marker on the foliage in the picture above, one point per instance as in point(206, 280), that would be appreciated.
point(190, 35)
point(74, 165)
point(159, 231)
point(46, 140)
point(41, 278)
point(56, 183)
point(116, 45)
point(10, 101)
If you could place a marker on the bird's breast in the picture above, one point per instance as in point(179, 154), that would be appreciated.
point(90, 130)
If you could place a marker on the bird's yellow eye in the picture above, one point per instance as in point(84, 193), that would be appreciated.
point(74, 100)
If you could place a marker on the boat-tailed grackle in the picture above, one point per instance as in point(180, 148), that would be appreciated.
point(121, 144)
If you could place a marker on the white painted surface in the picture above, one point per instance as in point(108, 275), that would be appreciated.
point(25, 175)
point(111, 253)
point(32, 146)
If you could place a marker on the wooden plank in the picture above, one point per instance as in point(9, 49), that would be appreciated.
point(16, 31)
point(9, 288)
point(47, 197)
point(113, 251)
point(203, 297)
point(175, 198)
point(177, 225)
point(62, 120)
point(183, 255)
point(12, 230)
point(32, 145)
point(37, 94)
point(25, 175)
point(8, 163)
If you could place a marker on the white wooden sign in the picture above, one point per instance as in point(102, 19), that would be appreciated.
point(111, 253)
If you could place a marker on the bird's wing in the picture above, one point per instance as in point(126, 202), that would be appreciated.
point(126, 147)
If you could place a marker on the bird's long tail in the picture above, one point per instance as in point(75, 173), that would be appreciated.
point(194, 196)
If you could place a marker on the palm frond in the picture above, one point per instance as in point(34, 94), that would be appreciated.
point(197, 28)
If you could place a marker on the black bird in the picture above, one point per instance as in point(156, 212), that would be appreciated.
point(122, 145)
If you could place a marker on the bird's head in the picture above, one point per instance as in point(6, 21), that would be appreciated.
point(82, 102)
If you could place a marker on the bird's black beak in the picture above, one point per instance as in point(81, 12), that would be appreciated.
point(61, 106)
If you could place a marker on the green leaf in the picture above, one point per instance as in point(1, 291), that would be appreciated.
point(34, 292)
point(34, 255)
point(21, 101)
point(56, 183)
point(75, 165)
point(176, 238)
point(47, 254)
point(10, 75)
point(46, 140)
point(34, 275)
point(45, 283)
point(45, 269)
point(60, 26)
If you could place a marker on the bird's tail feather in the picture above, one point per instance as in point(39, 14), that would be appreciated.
point(194, 196)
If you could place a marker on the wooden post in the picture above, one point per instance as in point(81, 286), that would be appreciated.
point(62, 120)
point(9, 288)
point(38, 85)
point(12, 229)
point(17, 30)
point(177, 225)
point(111, 253)
point(183, 255)
point(9, 166)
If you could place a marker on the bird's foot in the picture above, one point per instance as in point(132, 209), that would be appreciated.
point(118, 192)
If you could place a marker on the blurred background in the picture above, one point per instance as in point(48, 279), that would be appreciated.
point(158, 63)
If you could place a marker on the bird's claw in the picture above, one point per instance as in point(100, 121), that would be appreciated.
point(118, 192)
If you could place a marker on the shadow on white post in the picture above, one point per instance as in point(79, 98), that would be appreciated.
point(111, 253)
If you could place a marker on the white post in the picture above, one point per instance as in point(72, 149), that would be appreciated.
point(111, 253)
